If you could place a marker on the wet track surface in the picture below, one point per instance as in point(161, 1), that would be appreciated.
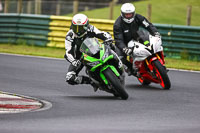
point(78, 109)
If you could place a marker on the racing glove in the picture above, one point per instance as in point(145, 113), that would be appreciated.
point(127, 50)
point(76, 63)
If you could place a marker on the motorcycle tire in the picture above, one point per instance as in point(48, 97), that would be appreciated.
point(161, 73)
point(115, 82)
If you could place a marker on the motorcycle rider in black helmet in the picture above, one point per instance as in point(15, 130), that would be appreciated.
point(126, 28)
point(79, 30)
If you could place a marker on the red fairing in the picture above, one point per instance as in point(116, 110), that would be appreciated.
point(145, 74)
point(131, 60)
point(138, 64)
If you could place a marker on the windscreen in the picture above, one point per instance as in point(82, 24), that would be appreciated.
point(90, 46)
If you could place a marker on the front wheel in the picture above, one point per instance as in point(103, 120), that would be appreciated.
point(161, 74)
point(116, 84)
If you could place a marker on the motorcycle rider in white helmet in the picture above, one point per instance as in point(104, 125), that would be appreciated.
point(126, 28)
point(79, 30)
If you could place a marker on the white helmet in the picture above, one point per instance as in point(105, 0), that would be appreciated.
point(128, 12)
point(80, 24)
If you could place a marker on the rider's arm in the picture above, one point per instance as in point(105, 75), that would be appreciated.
point(68, 47)
point(146, 24)
point(118, 36)
point(99, 34)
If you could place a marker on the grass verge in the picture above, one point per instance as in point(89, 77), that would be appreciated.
point(163, 11)
point(32, 50)
point(59, 53)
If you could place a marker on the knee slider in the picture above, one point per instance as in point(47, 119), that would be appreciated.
point(70, 78)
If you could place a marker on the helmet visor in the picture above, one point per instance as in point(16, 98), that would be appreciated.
point(128, 15)
point(79, 29)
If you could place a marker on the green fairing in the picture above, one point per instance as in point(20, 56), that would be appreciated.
point(89, 58)
point(101, 63)
point(103, 78)
point(115, 71)
point(92, 59)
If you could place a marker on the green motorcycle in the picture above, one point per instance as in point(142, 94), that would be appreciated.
point(104, 67)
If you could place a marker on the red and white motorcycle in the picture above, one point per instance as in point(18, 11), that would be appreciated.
point(148, 59)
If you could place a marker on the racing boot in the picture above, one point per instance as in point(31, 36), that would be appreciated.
point(87, 80)
point(95, 86)
point(128, 69)
point(135, 72)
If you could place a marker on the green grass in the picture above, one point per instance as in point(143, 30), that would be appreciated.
point(163, 11)
point(59, 53)
point(32, 50)
point(182, 64)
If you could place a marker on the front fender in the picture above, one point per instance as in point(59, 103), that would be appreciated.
point(150, 60)
point(106, 67)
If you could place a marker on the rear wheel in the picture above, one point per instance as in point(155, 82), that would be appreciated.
point(116, 84)
point(161, 74)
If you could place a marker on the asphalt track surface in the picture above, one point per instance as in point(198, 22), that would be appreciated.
point(78, 109)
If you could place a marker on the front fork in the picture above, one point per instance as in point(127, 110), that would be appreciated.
point(158, 56)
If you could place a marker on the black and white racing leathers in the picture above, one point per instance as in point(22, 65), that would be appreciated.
point(72, 54)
